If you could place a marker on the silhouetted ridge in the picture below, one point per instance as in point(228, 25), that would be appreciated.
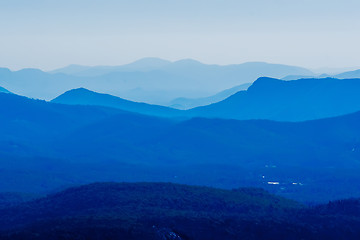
point(144, 64)
point(77, 93)
point(265, 82)
point(149, 80)
point(59, 144)
point(26, 124)
point(299, 100)
point(188, 103)
point(82, 96)
point(350, 74)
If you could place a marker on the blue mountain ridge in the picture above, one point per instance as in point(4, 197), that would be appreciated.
point(266, 98)
point(59, 144)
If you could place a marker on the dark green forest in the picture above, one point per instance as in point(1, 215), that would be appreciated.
point(171, 211)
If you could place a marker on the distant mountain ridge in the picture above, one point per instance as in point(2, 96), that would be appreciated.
point(145, 64)
point(266, 98)
point(350, 74)
point(152, 64)
point(150, 80)
point(343, 75)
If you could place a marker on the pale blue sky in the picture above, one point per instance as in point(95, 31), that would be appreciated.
point(47, 34)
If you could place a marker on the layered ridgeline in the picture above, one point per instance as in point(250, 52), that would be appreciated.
point(149, 80)
point(298, 100)
point(82, 96)
point(266, 98)
point(342, 75)
point(56, 144)
point(188, 103)
point(189, 68)
point(28, 121)
point(350, 74)
point(142, 65)
point(161, 211)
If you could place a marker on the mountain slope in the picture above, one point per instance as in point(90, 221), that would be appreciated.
point(32, 132)
point(350, 74)
point(55, 145)
point(83, 96)
point(299, 100)
point(3, 90)
point(27, 124)
point(188, 103)
point(216, 152)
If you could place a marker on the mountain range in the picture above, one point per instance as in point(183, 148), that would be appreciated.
point(142, 65)
point(188, 103)
point(350, 74)
point(299, 100)
point(82, 96)
point(266, 98)
point(187, 67)
point(55, 145)
point(341, 75)
point(151, 80)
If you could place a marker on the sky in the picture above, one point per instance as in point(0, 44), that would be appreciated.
point(48, 34)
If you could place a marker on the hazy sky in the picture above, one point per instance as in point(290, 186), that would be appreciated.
point(51, 33)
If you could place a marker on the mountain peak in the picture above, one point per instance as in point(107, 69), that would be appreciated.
point(80, 90)
point(265, 82)
point(83, 96)
point(75, 95)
